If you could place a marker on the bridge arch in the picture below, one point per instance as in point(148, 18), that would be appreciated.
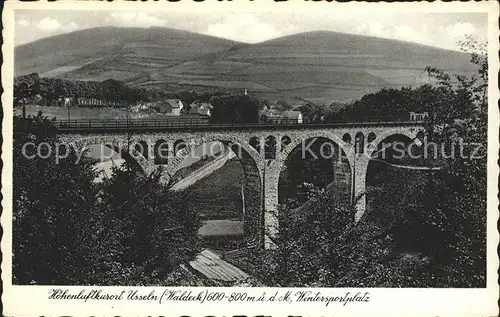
point(347, 138)
point(285, 140)
point(255, 143)
point(343, 145)
point(374, 145)
point(161, 152)
point(179, 147)
point(142, 147)
point(367, 182)
point(359, 143)
point(371, 137)
point(115, 143)
point(251, 162)
point(227, 140)
point(270, 146)
point(344, 151)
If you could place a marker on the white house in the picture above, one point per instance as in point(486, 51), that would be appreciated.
point(277, 116)
point(202, 109)
point(414, 116)
point(293, 116)
point(169, 106)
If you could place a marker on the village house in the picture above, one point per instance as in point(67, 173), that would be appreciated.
point(269, 115)
point(202, 109)
point(293, 116)
point(414, 116)
point(171, 107)
point(142, 106)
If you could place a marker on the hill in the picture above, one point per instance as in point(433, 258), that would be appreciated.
point(319, 66)
point(112, 52)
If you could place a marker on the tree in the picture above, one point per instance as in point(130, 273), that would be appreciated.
point(147, 231)
point(26, 89)
point(235, 109)
point(70, 230)
point(315, 113)
point(53, 199)
point(283, 105)
point(460, 214)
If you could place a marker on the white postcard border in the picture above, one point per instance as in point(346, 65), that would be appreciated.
point(33, 300)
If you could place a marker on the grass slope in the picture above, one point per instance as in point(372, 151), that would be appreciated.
point(119, 49)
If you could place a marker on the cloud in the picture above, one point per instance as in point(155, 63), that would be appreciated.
point(53, 26)
point(373, 28)
point(23, 23)
point(49, 25)
point(137, 19)
point(222, 30)
point(72, 26)
point(402, 32)
point(245, 28)
point(460, 29)
point(376, 28)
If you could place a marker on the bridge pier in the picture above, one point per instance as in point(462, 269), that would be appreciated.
point(271, 172)
point(360, 167)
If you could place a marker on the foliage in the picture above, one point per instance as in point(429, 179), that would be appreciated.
point(459, 213)
point(70, 230)
point(235, 109)
point(146, 230)
point(52, 90)
point(313, 113)
point(283, 105)
point(52, 204)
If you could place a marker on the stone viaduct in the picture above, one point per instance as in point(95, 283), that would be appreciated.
point(262, 151)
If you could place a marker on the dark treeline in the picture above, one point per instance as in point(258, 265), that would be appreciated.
point(52, 91)
point(396, 104)
point(235, 108)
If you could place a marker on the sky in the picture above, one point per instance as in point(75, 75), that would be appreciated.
point(435, 29)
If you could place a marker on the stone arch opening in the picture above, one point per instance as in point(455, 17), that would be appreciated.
point(179, 145)
point(226, 188)
point(142, 148)
point(324, 165)
point(359, 143)
point(109, 152)
point(255, 143)
point(421, 136)
point(270, 148)
point(161, 152)
point(347, 138)
point(285, 140)
point(371, 137)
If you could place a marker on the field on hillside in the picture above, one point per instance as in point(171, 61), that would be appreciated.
point(320, 66)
